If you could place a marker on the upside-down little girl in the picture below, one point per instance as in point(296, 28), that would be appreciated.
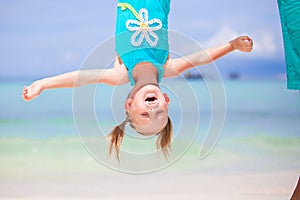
point(143, 60)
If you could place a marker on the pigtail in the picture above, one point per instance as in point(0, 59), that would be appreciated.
point(165, 138)
point(116, 138)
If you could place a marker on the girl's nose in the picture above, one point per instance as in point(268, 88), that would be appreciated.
point(153, 107)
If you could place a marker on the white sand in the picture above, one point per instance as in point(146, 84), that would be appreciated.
point(268, 186)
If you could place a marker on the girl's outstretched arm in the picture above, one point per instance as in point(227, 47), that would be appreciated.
point(176, 66)
point(113, 76)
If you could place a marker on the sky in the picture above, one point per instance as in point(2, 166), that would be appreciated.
point(40, 38)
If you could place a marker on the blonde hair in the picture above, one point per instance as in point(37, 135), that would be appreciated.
point(163, 141)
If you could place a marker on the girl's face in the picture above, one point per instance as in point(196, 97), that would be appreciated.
point(148, 110)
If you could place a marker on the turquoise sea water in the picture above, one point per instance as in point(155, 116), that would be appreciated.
point(253, 108)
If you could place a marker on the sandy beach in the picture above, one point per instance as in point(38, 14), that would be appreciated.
point(268, 186)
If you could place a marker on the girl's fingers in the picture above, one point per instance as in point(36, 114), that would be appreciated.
point(246, 38)
point(25, 89)
point(25, 93)
point(248, 43)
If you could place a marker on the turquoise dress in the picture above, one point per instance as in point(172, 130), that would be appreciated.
point(290, 20)
point(142, 33)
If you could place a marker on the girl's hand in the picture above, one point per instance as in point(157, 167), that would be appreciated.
point(32, 91)
point(242, 43)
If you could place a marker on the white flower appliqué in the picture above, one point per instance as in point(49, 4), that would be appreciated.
point(144, 28)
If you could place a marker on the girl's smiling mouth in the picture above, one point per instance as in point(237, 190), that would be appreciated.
point(151, 99)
